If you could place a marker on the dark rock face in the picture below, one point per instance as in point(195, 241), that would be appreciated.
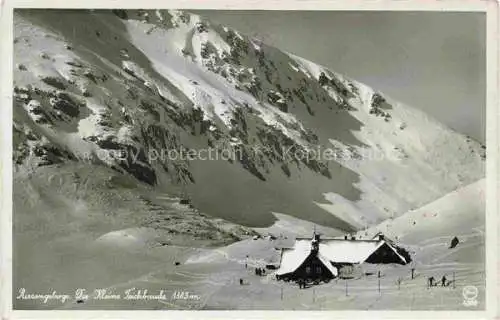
point(120, 13)
point(65, 103)
point(378, 105)
point(55, 82)
point(143, 172)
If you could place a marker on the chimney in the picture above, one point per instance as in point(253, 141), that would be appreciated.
point(380, 237)
point(315, 244)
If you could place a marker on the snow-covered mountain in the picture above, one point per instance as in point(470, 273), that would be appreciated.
point(118, 89)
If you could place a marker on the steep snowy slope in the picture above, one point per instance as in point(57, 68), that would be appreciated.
point(121, 88)
point(459, 213)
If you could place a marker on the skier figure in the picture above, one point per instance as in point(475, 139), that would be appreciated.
point(431, 281)
point(443, 281)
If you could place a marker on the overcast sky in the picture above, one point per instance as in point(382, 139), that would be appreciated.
point(430, 60)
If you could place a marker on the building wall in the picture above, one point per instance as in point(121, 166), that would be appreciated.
point(312, 268)
point(384, 254)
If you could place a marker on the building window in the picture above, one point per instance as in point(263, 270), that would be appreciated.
point(308, 270)
point(318, 270)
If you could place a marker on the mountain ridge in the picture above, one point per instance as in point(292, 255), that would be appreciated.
point(142, 81)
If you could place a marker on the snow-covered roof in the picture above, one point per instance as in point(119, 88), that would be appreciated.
point(353, 251)
point(333, 250)
point(292, 258)
point(328, 264)
point(349, 251)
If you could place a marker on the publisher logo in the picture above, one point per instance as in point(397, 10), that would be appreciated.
point(470, 294)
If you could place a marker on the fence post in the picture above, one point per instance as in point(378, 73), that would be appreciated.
point(453, 279)
point(346, 291)
point(379, 282)
point(282, 293)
